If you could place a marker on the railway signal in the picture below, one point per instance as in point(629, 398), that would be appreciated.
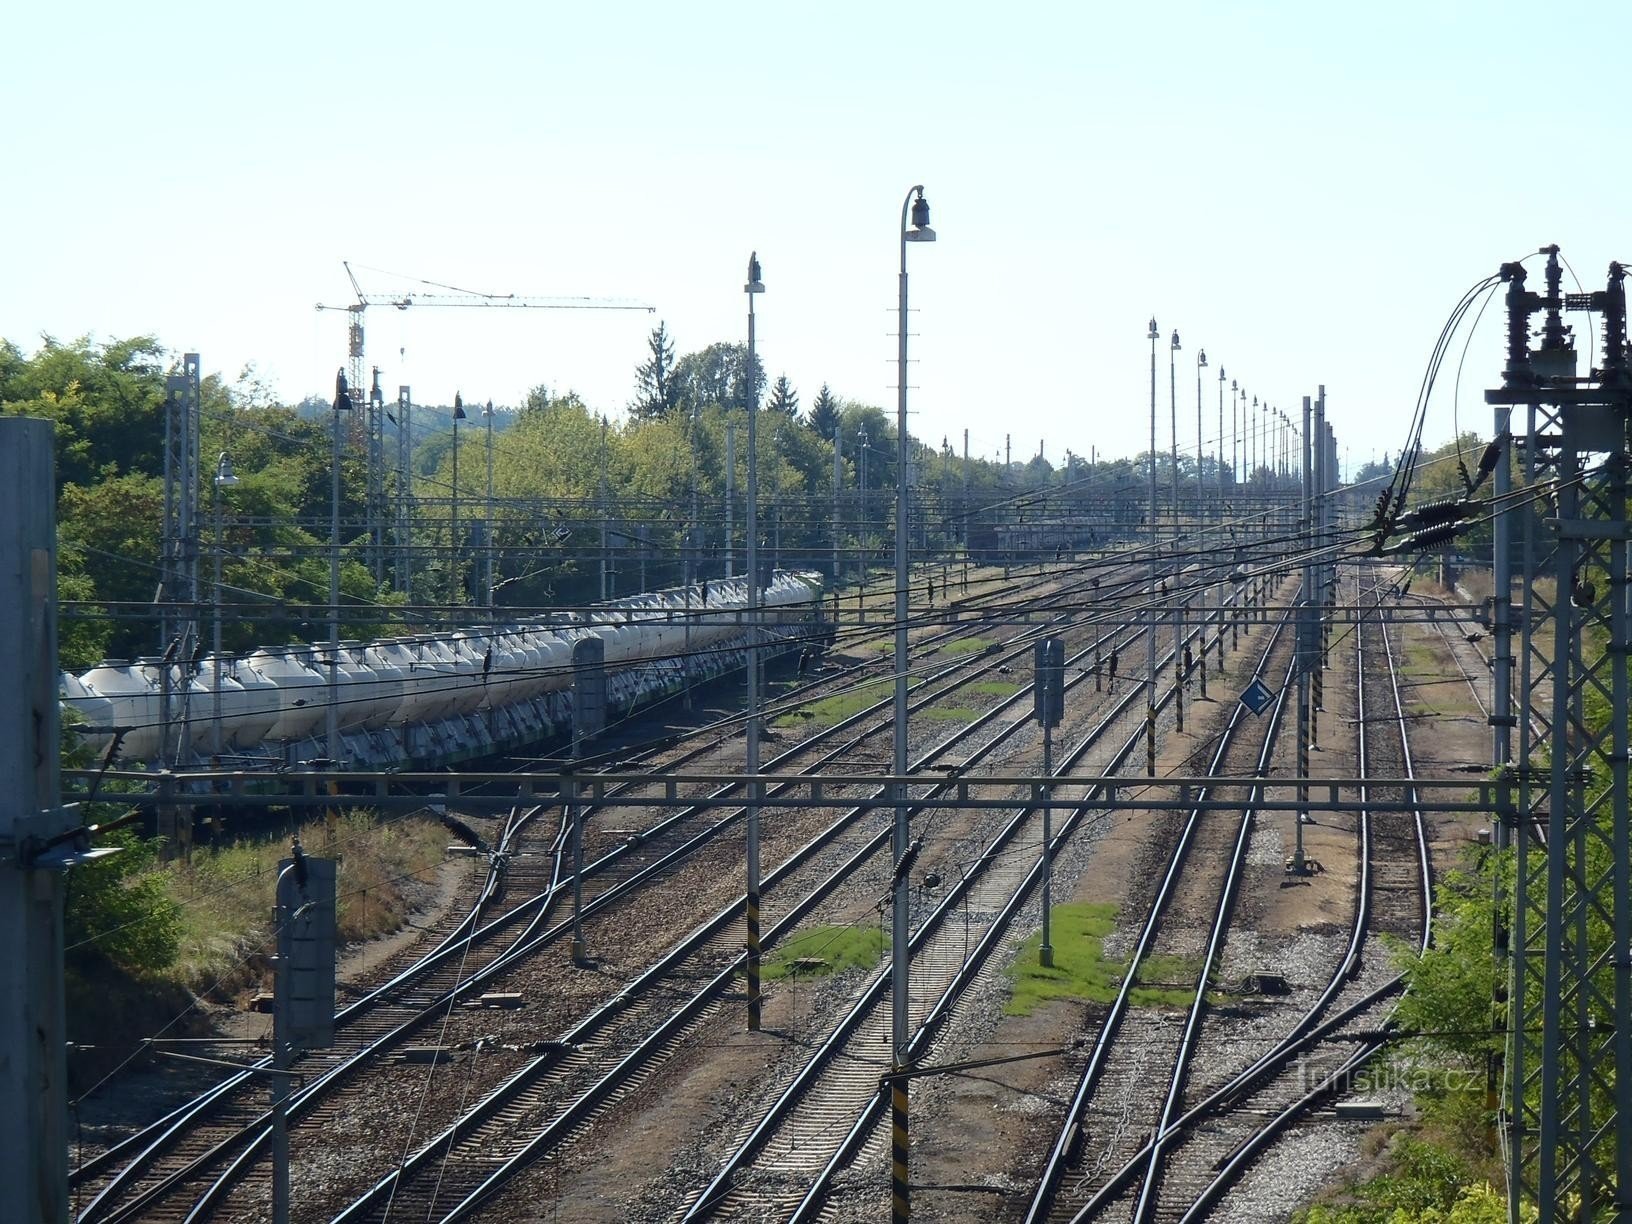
point(303, 998)
point(1049, 706)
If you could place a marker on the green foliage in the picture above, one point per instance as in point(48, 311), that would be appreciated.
point(1424, 1185)
point(119, 912)
point(840, 706)
point(1081, 969)
point(784, 399)
point(115, 912)
point(824, 414)
point(824, 950)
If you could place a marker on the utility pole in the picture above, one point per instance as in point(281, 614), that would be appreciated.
point(861, 515)
point(754, 286)
point(838, 487)
point(178, 569)
point(965, 506)
point(404, 569)
point(487, 519)
point(902, 852)
point(1155, 548)
point(1308, 610)
point(342, 403)
point(1568, 1117)
point(730, 498)
point(606, 528)
point(1176, 567)
point(33, 1070)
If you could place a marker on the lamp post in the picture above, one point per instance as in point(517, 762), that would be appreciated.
point(1237, 393)
point(453, 534)
point(861, 512)
point(1252, 426)
point(754, 287)
point(342, 403)
point(1174, 567)
point(487, 522)
point(1220, 451)
point(1173, 420)
point(918, 232)
point(1201, 480)
point(225, 478)
point(1201, 501)
point(1155, 545)
point(838, 487)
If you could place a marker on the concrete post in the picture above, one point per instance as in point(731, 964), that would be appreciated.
point(33, 1062)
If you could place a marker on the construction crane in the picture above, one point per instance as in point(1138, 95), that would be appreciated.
point(369, 431)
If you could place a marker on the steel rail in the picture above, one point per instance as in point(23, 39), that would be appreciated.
point(158, 1137)
point(722, 1184)
point(307, 1098)
point(1059, 1154)
point(607, 1087)
point(1232, 1169)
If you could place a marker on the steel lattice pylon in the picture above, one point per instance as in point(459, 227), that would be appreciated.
point(1568, 1089)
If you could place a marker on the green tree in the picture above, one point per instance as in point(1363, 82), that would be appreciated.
point(657, 393)
point(716, 375)
point(784, 399)
point(824, 413)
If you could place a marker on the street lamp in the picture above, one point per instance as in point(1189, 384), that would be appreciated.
point(754, 287)
point(1173, 419)
point(1235, 434)
point(861, 513)
point(1155, 545)
point(1178, 604)
point(1220, 451)
point(1201, 481)
point(918, 232)
point(225, 478)
point(453, 534)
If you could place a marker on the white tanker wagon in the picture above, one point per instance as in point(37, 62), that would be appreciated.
point(436, 698)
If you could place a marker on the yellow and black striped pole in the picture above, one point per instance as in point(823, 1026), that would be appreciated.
point(900, 1188)
point(754, 1002)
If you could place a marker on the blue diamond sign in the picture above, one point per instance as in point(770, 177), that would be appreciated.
point(1257, 696)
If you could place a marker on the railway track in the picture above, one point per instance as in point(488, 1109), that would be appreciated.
point(1215, 1140)
point(787, 1160)
point(147, 1179)
point(1119, 1063)
point(558, 1096)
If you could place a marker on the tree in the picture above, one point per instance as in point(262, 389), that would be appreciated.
point(824, 413)
point(716, 376)
point(656, 392)
point(784, 398)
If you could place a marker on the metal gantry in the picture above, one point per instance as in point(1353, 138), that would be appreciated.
point(1568, 1075)
point(178, 564)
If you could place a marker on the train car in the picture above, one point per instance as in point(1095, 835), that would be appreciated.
point(432, 699)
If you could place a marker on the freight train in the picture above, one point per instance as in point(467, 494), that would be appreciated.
point(433, 699)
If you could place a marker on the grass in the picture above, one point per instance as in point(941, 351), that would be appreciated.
point(840, 706)
point(226, 892)
point(968, 645)
point(995, 688)
point(1081, 970)
point(826, 949)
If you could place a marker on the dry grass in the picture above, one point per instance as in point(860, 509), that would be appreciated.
point(226, 892)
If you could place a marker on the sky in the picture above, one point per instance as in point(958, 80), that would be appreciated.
point(1302, 190)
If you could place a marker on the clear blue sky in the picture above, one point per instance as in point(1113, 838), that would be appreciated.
point(1303, 189)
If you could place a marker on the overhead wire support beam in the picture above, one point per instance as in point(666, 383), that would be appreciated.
point(1567, 1107)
